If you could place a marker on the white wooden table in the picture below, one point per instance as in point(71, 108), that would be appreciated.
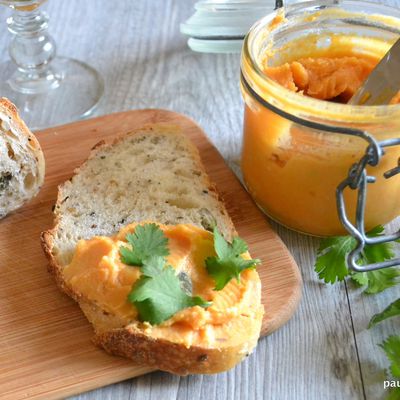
point(325, 351)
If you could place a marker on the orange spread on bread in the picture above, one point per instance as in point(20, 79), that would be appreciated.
point(97, 273)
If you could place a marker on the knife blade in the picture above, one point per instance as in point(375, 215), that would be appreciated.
point(383, 83)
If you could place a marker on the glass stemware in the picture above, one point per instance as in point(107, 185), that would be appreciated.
point(48, 90)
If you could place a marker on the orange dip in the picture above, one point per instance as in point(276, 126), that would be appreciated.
point(323, 78)
point(97, 273)
point(334, 79)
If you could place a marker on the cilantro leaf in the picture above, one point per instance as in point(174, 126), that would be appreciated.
point(224, 249)
point(377, 281)
point(223, 270)
point(381, 279)
point(228, 263)
point(378, 230)
point(394, 394)
point(390, 311)
point(391, 346)
point(330, 264)
point(360, 278)
point(373, 253)
point(148, 240)
point(158, 294)
point(239, 246)
point(152, 266)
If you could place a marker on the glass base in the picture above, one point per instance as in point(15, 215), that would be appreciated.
point(73, 94)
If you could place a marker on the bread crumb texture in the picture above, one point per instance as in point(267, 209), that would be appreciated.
point(150, 175)
point(21, 160)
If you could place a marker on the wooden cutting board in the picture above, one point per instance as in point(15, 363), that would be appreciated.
point(45, 342)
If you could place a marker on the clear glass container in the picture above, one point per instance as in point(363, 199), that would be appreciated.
point(291, 170)
point(219, 26)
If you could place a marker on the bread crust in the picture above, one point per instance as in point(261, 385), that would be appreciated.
point(53, 267)
point(172, 357)
point(9, 112)
point(129, 341)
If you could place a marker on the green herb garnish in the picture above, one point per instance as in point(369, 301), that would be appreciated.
point(147, 241)
point(158, 293)
point(228, 263)
point(391, 346)
point(392, 310)
point(331, 265)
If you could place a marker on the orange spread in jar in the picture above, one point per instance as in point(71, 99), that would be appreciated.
point(292, 171)
point(323, 78)
point(97, 273)
point(334, 79)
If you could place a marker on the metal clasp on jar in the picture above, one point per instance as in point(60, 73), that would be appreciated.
point(358, 179)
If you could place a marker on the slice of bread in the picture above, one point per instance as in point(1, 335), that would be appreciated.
point(152, 174)
point(21, 160)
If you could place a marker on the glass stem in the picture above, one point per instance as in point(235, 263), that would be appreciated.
point(32, 49)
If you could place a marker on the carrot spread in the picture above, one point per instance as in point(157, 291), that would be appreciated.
point(333, 79)
point(302, 66)
point(323, 78)
point(97, 273)
point(291, 171)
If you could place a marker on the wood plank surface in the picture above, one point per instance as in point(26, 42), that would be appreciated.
point(45, 341)
point(325, 351)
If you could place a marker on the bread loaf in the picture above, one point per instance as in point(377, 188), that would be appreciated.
point(22, 163)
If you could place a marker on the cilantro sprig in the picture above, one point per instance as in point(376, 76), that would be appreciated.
point(392, 310)
point(377, 281)
point(158, 293)
point(228, 263)
point(391, 347)
point(331, 265)
point(147, 241)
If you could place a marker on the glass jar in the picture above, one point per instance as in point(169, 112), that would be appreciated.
point(291, 169)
